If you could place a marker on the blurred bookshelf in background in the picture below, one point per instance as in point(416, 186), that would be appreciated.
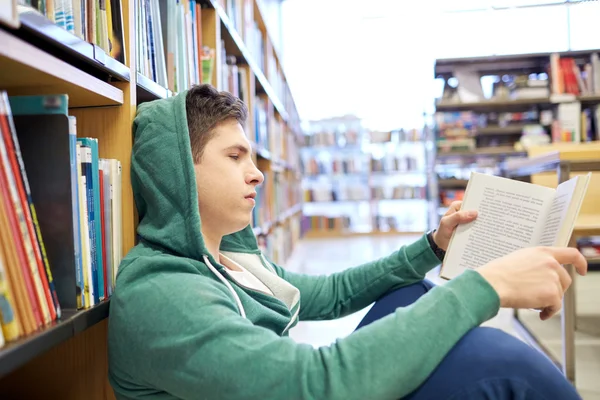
point(493, 109)
point(359, 182)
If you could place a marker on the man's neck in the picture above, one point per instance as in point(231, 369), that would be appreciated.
point(212, 243)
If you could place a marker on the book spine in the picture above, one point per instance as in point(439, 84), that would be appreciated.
point(76, 213)
point(32, 302)
point(87, 173)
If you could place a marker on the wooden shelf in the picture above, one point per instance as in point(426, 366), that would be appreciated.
point(453, 183)
point(491, 151)
point(488, 105)
point(502, 64)
point(493, 104)
point(15, 354)
point(587, 224)
point(29, 70)
point(235, 46)
point(500, 130)
point(148, 90)
point(43, 33)
point(335, 233)
point(590, 99)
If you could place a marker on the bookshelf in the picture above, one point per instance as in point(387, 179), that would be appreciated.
point(67, 358)
point(494, 108)
point(363, 182)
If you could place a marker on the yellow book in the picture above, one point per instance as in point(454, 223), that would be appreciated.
point(8, 315)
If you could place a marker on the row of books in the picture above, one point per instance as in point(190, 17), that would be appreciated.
point(568, 77)
point(60, 205)
point(241, 16)
point(395, 163)
point(339, 164)
point(349, 191)
point(575, 123)
point(274, 196)
point(170, 49)
point(448, 196)
point(469, 123)
point(398, 192)
point(272, 133)
point(349, 138)
point(281, 241)
point(99, 22)
point(349, 164)
point(325, 223)
point(338, 138)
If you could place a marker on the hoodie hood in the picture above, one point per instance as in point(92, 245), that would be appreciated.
point(164, 184)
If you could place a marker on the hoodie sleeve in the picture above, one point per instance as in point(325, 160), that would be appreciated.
point(187, 338)
point(343, 293)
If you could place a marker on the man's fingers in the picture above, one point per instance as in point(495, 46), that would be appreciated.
point(570, 255)
point(459, 217)
point(563, 276)
point(455, 206)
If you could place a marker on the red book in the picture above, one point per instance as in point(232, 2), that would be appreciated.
point(16, 234)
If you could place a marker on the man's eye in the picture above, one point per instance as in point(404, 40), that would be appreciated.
point(235, 157)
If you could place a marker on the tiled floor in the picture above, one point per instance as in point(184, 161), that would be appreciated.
point(326, 256)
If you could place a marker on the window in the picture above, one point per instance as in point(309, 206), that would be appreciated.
point(583, 21)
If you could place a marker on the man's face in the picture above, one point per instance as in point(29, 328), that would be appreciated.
point(226, 180)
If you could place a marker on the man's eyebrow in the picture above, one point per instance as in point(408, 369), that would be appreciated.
point(240, 147)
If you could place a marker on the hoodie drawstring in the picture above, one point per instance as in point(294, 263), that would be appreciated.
point(226, 282)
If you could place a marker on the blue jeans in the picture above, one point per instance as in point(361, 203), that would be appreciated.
point(485, 364)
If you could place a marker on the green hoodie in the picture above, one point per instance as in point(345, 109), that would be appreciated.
point(181, 328)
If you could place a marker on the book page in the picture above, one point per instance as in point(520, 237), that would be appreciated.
point(556, 214)
point(509, 215)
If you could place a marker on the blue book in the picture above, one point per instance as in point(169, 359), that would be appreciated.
point(76, 213)
point(93, 181)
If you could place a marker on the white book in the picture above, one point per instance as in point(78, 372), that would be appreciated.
point(161, 68)
point(104, 166)
point(512, 215)
point(117, 222)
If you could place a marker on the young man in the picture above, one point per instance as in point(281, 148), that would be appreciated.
point(199, 313)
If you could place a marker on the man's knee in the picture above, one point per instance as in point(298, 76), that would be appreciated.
point(489, 363)
point(505, 367)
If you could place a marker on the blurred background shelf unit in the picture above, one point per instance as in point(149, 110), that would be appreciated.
point(494, 108)
point(358, 181)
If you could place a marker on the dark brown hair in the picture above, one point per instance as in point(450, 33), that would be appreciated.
point(206, 107)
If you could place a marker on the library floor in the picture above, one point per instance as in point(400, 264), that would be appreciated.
point(326, 256)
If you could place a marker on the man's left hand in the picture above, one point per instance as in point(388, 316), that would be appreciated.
point(450, 221)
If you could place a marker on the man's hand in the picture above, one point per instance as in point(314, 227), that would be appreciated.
point(534, 277)
point(449, 222)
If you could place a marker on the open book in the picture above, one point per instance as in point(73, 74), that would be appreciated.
point(512, 215)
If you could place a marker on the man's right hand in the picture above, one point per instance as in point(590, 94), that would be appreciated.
point(534, 277)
